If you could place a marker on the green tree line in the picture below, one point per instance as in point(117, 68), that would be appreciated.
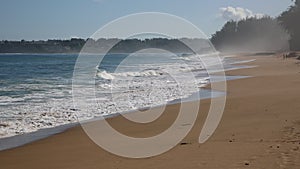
point(102, 45)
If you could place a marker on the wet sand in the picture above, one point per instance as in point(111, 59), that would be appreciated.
point(260, 128)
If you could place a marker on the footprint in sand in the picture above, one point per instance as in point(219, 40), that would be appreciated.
point(290, 156)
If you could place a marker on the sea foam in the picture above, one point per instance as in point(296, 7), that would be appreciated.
point(48, 101)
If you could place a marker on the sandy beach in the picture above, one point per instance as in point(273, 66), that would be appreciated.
point(260, 128)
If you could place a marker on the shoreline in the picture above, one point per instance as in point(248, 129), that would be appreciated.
point(41, 133)
point(16, 141)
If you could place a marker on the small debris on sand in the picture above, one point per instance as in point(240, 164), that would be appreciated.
point(296, 148)
point(246, 162)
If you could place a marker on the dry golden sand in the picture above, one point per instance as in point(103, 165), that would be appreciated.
point(260, 129)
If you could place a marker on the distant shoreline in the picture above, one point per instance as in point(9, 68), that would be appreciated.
point(73, 53)
point(102, 45)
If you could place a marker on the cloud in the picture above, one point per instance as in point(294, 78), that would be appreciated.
point(238, 13)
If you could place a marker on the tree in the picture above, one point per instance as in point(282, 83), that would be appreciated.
point(251, 34)
point(290, 20)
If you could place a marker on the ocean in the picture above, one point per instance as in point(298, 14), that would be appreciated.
point(36, 89)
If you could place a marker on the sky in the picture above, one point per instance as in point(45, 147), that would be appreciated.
point(64, 19)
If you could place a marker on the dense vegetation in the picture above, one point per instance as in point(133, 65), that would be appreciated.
point(261, 34)
point(103, 45)
point(251, 34)
point(290, 20)
point(49, 46)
